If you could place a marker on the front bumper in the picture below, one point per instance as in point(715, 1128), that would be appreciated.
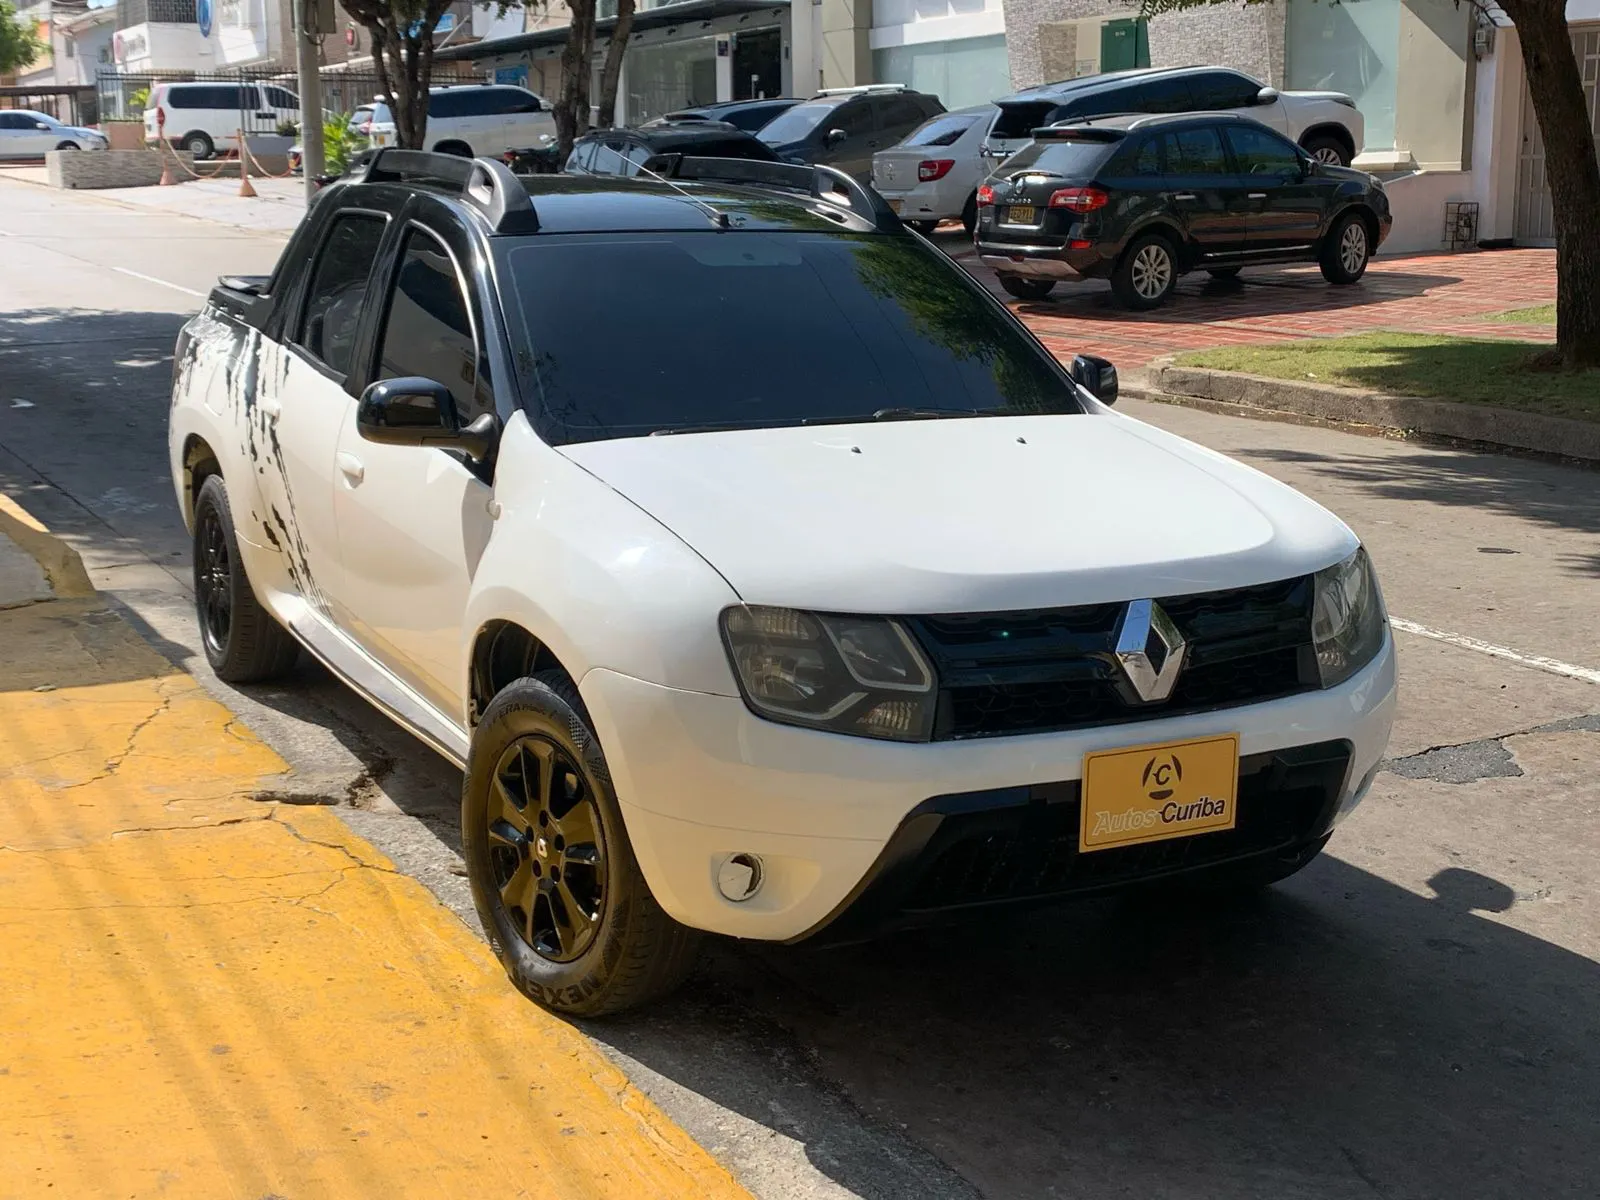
point(700, 779)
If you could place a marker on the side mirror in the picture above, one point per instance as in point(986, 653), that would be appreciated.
point(834, 137)
point(1267, 95)
point(1096, 376)
point(41, 125)
point(412, 411)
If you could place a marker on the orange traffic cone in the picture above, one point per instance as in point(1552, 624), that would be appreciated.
point(245, 187)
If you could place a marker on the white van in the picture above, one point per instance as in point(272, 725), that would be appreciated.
point(204, 117)
point(474, 120)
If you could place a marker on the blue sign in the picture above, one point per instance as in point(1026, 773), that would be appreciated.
point(447, 22)
point(517, 76)
point(202, 16)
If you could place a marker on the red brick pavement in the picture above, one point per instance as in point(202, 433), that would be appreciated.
point(1440, 293)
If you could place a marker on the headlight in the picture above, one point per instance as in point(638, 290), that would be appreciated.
point(1348, 619)
point(858, 675)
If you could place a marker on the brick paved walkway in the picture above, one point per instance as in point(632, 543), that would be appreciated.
point(1441, 293)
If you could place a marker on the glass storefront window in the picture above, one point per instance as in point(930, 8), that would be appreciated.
point(961, 73)
point(670, 75)
point(1353, 47)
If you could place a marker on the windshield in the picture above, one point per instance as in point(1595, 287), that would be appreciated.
point(756, 330)
point(941, 131)
point(795, 124)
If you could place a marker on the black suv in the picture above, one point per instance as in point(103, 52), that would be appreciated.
point(845, 127)
point(1141, 200)
point(624, 151)
point(748, 115)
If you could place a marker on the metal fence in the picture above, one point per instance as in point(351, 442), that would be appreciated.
point(264, 97)
point(65, 102)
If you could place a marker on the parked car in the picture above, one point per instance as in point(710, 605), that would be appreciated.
point(28, 134)
point(1326, 125)
point(200, 117)
point(778, 637)
point(845, 127)
point(933, 175)
point(474, 119)
point(748, 115)
point(1142, 200)
point(624, 151)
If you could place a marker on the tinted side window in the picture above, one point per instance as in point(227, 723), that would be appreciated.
point(428, 331)
point(180, 98)
point(638, 154)
point(13, 121)
point(515, 100)
point(279, 98)
point(338, 288)
point(1141, 156)
point(1261, 152)
point(1169, 94)
point(446, 104)
point(1223, 89)
point(1195, 152)
point(580, 158)
point(854, 117)
point(608, 159)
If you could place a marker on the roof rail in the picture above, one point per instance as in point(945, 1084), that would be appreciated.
point(861, 88)
point(485, 183)
point(821, 183)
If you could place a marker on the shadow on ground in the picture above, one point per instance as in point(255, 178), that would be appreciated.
point(1337, 1036)
point(1556, 495)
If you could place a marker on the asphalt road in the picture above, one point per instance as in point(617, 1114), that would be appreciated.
point(1415, 1015)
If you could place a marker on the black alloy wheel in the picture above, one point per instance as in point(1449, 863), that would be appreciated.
point(213, 579)
point(547, 845)
point(242, 642)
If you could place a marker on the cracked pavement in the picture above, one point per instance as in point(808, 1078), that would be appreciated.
point(1414, 1015)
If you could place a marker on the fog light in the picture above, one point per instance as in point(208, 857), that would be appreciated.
point(1357, 794)
point(739, 877)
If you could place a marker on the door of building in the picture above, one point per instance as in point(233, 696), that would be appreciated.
point(758, 64)
point(1124, 45)
point(1535, 219)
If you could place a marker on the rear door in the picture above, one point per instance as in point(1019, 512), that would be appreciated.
point(1285, 201)
point(20, 136)
point(1205, 194)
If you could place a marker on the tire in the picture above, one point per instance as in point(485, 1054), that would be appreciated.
point(629, 952)
point(1327, 149)
point(1027, 289)
point(459, 149)
point(1146, 273)
point(1346, 250)
point(242, 642)
point(925, 228)
point(969, 214)
point(1224, 272)
point(198, 144)
point(68, 146)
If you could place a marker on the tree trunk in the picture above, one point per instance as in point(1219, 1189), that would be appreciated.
point(572, 110)
point(611, 73)
point(1572, 170)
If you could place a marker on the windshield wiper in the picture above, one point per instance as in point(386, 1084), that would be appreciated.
point(925, 414)
point(882, 414)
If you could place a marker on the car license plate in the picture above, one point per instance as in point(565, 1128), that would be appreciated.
point(1152, 793)
point(895, 204)
point(1022, 214)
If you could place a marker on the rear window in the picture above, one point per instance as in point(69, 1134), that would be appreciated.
point(1060, 157)
point(941, 131)
point(1020, 118)
point(896, 323)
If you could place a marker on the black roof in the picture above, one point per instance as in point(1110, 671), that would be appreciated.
point(1128, 122)
point(748, 195)
point(1089, 84)
point(685, 135)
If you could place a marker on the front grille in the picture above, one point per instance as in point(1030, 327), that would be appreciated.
point(1053, 669)
point(1031, 850)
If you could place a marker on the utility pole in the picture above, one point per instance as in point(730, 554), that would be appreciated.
point(306, 30)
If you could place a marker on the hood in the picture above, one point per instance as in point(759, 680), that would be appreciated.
point(968, 515)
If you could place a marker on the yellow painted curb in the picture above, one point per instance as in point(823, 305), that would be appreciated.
point(60, 562)
point(210, 995)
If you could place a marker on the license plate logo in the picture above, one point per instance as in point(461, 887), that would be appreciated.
point(1022, 214)
point(1152, 793)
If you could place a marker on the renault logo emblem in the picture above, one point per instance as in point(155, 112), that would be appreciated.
point(1150, 650)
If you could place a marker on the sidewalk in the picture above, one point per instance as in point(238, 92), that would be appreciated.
point(277, 208)
point(210, 995)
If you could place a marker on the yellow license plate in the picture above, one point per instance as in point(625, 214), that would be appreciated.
point(1022, 214)
point(1151, 793)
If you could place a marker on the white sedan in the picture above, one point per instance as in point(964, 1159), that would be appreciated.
point(934, 174)
point(28, 134)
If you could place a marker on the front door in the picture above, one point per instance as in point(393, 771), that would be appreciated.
point(1286, 201)
point(414, 520)
point(1205, 194)
point(859, 124)
point(301, 403)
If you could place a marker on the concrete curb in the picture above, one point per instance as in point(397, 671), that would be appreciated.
point(1356, 407)
point(60, 562)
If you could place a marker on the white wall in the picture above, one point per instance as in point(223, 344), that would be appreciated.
point(908, 22)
